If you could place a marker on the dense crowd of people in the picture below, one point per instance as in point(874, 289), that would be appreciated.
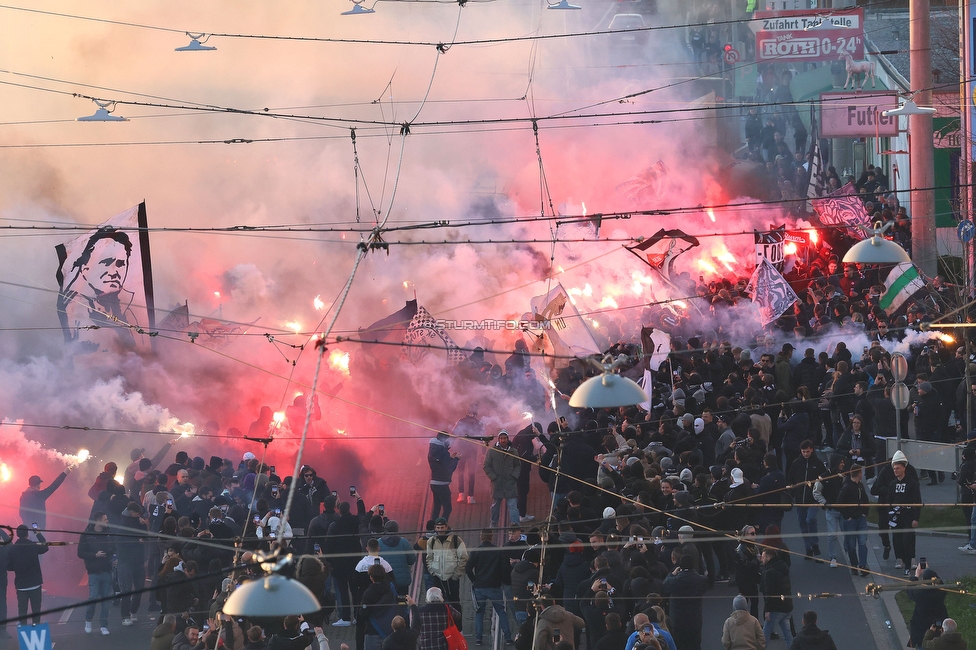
point(650, 509)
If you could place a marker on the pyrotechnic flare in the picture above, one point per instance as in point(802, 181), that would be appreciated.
point(710, 213)
point(295, 326)
point(946, 338)
point(705, 266)
point(317, 302)
point(526, 415)
point(339, 360)
point(277, 419)
point(789, 248)
point(4, 473)
point(814, 236)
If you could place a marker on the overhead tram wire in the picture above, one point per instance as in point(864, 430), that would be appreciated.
point(484, 41)
point(563, 219)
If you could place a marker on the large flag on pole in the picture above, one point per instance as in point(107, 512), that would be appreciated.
point(770, 290)
point(105, 296)
point(902, 283)
point(562, 324)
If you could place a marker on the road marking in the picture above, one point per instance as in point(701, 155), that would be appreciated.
point(65, 615)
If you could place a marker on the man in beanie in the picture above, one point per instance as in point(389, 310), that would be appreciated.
point(33, 500)
point(129, 479)
point(447, 560)
point(905, 498)
point(400, 554)
point(742, 630)
point(502, 465)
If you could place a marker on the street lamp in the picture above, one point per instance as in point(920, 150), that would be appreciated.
point(273, 595)
point(563, 4)
point(876, 249)
point(103, 113)
point(608, 390)
point(921, 178)
point(196, 44)
point(358, 9)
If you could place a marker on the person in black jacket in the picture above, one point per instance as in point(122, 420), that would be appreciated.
point(577, 466)
point(132, 561)
point(33, 500)
point(686, 588)
point(403, 637)
point(342, 545)
point(23, 560)
point(776, 589)
point(812, 637)
point(904, 499)
point(855, 515)
point(442, 461)
point(96, 548)
point(857, 443)
point(376, 611)
point(485, 566)
point(804, 471)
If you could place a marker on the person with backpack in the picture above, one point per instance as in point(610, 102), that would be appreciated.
point(374, 621)
point(447, 560)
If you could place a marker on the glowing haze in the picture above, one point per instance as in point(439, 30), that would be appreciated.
point(286, 283)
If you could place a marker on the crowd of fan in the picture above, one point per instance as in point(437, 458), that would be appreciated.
point(650, 510)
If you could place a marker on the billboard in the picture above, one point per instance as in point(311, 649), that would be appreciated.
point(803, 35)
point(857, 115)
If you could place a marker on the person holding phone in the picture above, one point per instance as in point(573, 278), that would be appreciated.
point(96, 548)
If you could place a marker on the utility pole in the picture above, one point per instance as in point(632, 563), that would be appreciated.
point(921, 148)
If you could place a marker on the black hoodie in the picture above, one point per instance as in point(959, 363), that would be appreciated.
point(812, 637)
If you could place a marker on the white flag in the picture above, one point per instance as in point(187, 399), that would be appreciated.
point(770, 290)
point(562, 323)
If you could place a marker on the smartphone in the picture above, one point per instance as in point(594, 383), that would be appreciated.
point(352, 490)
point(603, 582)
point(34, 525)
point(923, 563)
point(530, 585)
point(272, 468)
point(376, 561)
point(278, 511)
point(555, 635)
point(382, 509)
point(257, 519)
point(169, 502)
point(335, 494)
point(275, 493)
point(205, 627)
point(317, 548)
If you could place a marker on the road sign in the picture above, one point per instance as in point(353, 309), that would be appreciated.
point(899, 366)
point(966, 229)
point(899, 395)
point(731, 55)
point(34, 637)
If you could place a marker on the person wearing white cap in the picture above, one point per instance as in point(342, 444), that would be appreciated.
point(905, 498)
point(739, 494)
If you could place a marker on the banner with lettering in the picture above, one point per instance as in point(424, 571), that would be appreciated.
point(769, 246)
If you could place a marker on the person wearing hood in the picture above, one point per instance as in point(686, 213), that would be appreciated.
point(342, 545)
point(573, 572)
point(102, 480)
point(742, 630)
point(812, 637)
point(442, 461)
point(162, 636)
point(930, 607)
point(525, 574)
point(399, 553)
point(96, 548)
point(904, 497)
point(485, 567)
point(855, 515)
point(554, 617)
point(502, 466)
point(685, 587)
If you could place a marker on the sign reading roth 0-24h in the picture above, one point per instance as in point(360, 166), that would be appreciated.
point(801, 35)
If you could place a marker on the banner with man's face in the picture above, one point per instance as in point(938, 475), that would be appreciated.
point(105, 297)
